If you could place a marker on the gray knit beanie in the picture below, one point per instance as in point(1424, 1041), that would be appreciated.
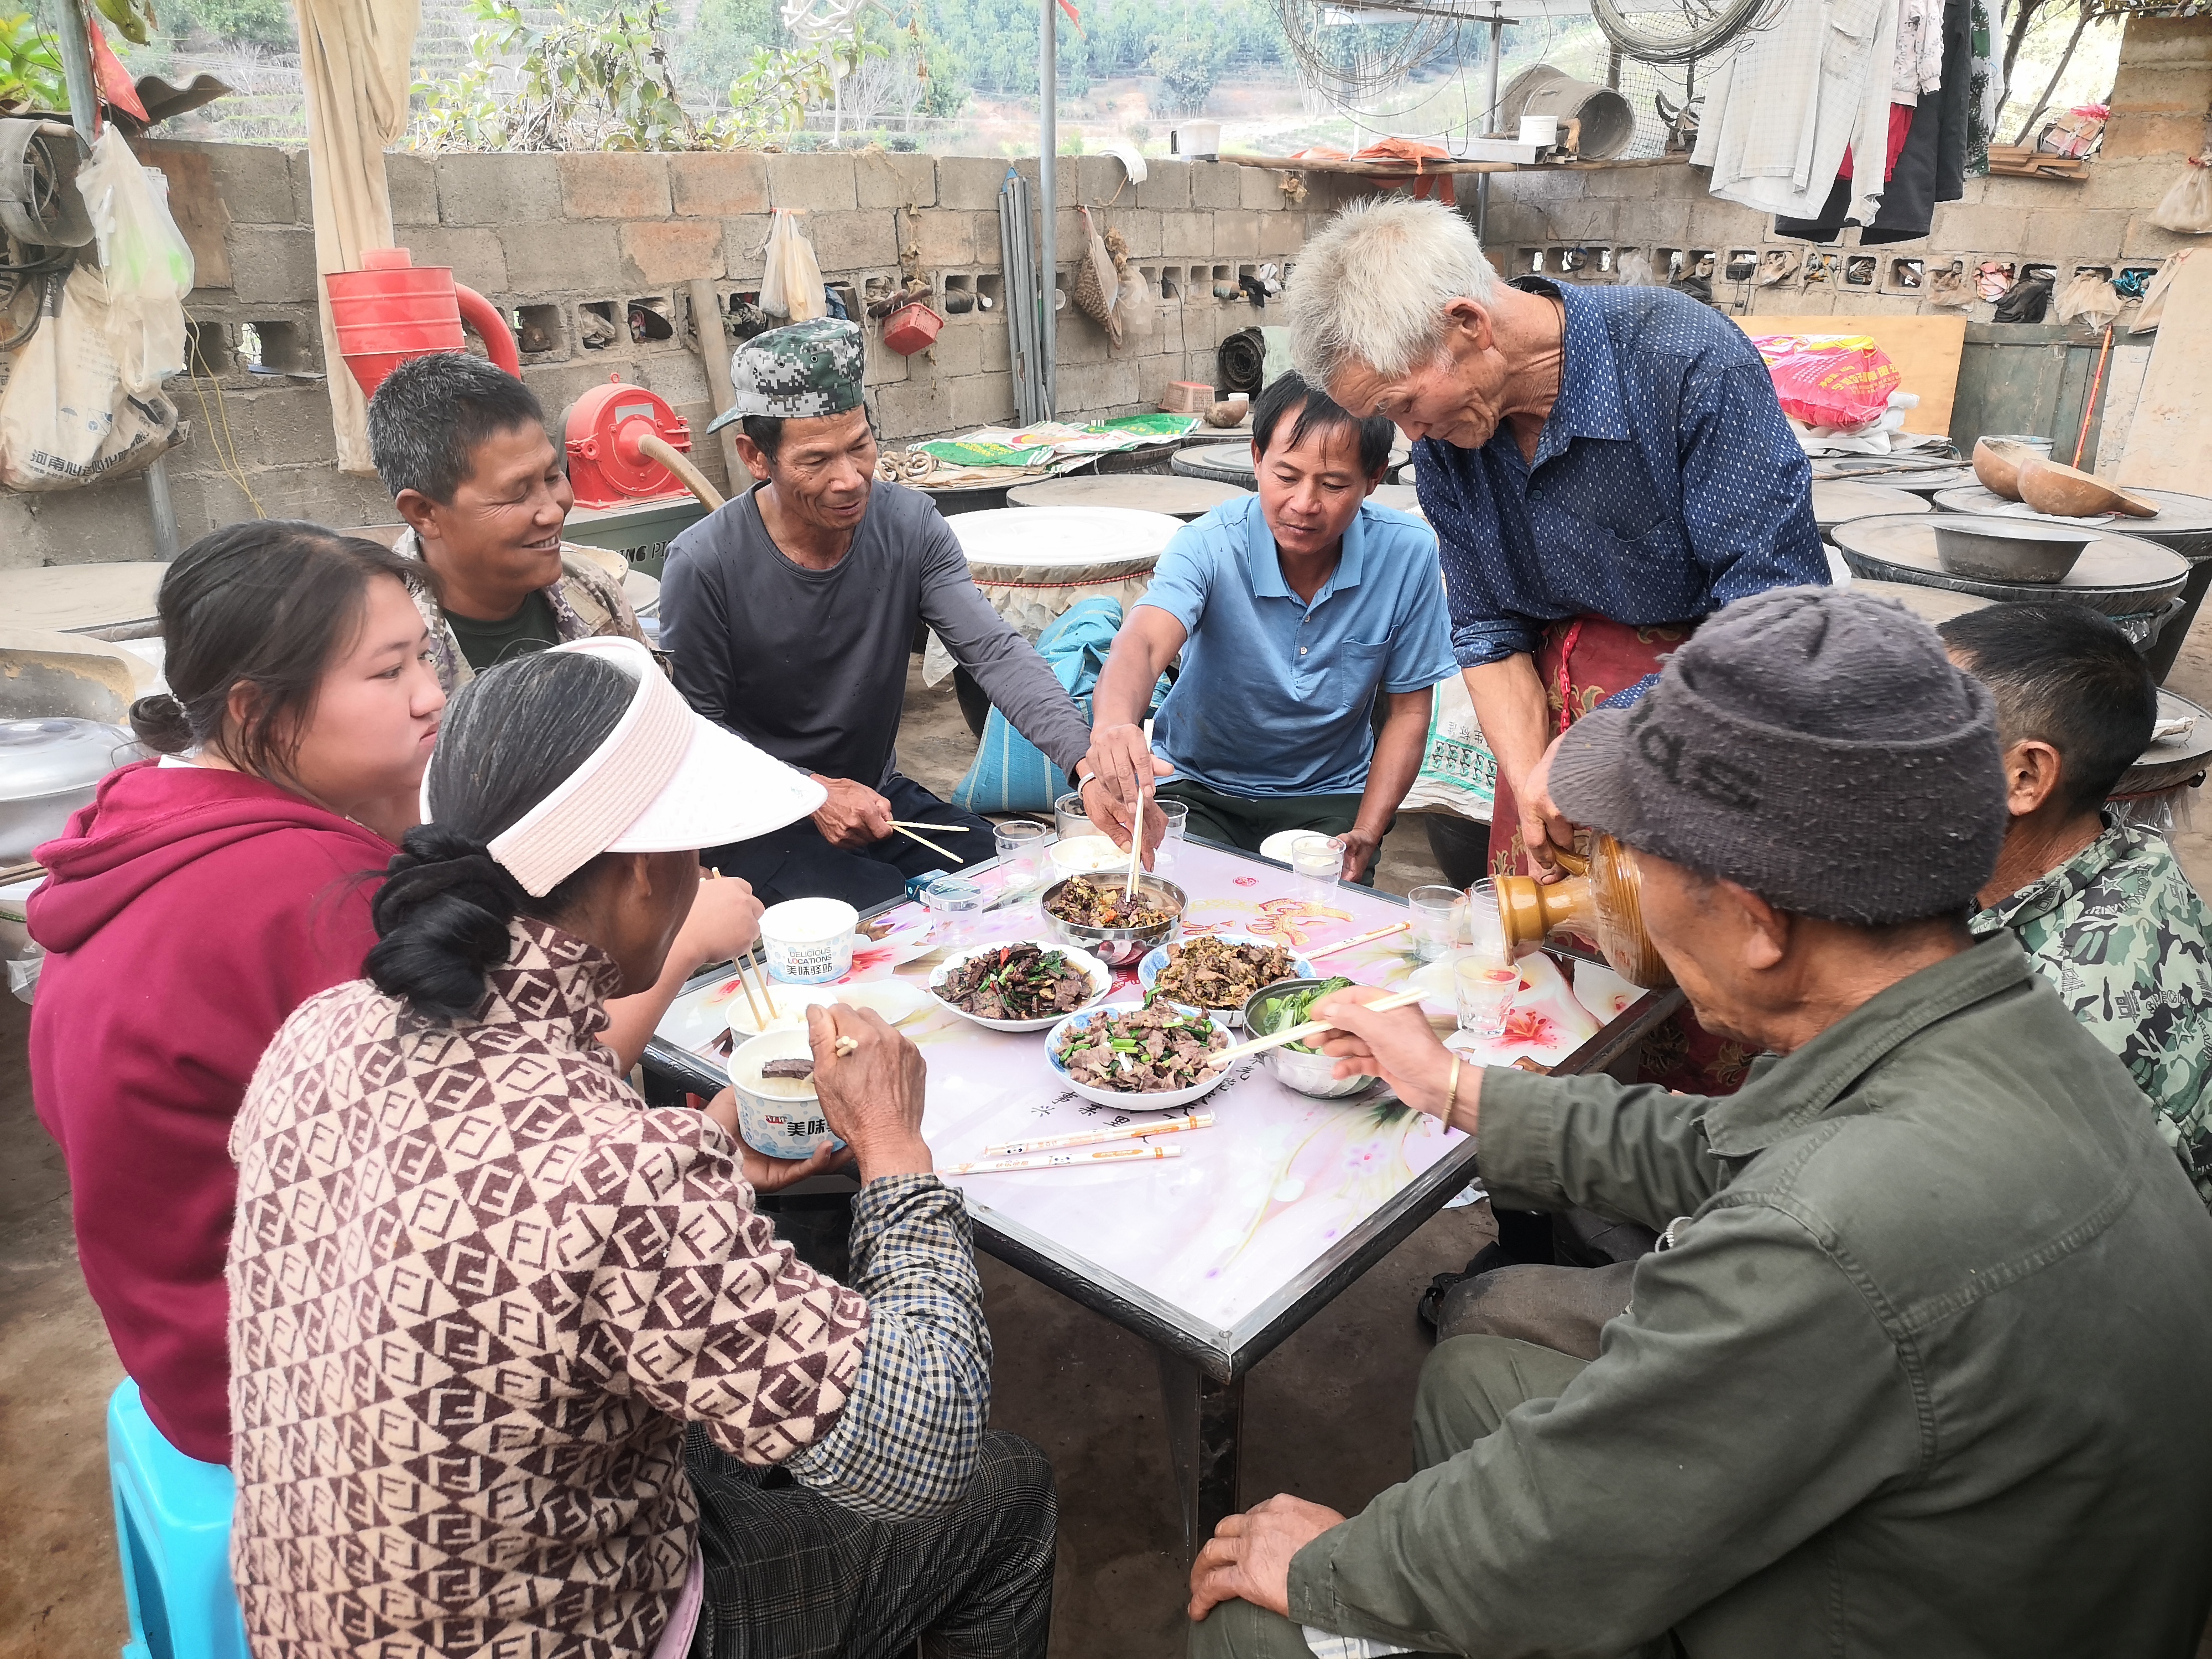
point(1814, 744)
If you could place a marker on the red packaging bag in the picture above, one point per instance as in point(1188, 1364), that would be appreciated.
point(1838, 381)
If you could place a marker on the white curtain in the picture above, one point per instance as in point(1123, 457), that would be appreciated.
point(354, 57)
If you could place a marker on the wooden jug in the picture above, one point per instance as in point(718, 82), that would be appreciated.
point(1601, 899)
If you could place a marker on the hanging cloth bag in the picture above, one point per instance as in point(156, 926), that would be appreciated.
point(791, 289)
point(2188, 206)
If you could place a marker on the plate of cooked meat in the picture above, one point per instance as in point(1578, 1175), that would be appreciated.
point(1143, 1056)
point(1025, 986)
point(1218, 972)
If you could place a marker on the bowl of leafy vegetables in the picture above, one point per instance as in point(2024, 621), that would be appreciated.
point(1289, 1002)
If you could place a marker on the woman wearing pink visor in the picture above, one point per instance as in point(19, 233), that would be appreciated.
point(516, 1365)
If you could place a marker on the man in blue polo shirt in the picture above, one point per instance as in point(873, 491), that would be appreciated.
point(1291, 609)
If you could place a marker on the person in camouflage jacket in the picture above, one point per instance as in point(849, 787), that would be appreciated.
point(2128, 943)
point(463, 448)
point(2101, 907)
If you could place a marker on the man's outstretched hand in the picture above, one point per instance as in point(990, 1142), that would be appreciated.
point(854, 816)
point(1249, 1556)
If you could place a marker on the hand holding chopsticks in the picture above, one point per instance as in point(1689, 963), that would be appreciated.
point(1305, 1029)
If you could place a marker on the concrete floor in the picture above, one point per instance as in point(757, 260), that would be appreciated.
point(1326, 1413)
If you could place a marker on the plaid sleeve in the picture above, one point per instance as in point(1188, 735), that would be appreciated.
point(906, 1443)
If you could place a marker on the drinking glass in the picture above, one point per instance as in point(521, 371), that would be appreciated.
point(1439, 916)
point(1485, 994)
point(955, 906)
point(1021, 851)
point(1485, 928)
point(1317, 861)
point(1069, 816)
point(1177, 814)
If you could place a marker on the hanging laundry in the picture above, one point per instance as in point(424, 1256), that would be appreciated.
point(1929, 165)
point(1787, 100)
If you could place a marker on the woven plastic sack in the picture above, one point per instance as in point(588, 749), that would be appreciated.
point(1840, 382)
point(792, 286)
point(143, 257)
point(1458, 772)
point(66, 418)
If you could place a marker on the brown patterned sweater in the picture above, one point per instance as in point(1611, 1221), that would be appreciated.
point(478, 1288)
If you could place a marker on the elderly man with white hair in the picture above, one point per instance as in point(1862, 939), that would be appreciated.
point(1605, 468)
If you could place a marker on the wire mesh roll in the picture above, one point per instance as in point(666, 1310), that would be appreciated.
point(1679, 31)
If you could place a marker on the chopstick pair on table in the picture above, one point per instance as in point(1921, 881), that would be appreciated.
point(1052, 1151)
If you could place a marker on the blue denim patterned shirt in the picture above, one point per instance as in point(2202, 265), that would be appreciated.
point(1667, 483)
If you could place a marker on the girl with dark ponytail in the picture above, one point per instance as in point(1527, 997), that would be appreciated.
point(200, 898)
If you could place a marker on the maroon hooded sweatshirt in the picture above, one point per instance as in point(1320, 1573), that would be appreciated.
point(189, 913)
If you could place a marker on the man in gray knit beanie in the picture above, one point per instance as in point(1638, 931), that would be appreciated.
point(1815, 744)
point(1921, 1350)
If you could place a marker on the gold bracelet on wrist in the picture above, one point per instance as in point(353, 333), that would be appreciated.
point(1451, 1094)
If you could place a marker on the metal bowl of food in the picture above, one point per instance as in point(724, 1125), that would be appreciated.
point(1092, 913)
point(1273, 1007)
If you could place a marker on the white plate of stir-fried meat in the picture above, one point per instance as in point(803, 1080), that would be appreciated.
point(1144, 1057)
point(1025, 986)
point(1218, 972)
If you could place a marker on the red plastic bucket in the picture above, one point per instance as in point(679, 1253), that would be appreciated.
point(394, 311)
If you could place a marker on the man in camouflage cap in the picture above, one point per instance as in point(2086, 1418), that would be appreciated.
point(799, 373)
point(789, 616)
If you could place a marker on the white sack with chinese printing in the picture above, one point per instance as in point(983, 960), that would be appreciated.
point(66, 417)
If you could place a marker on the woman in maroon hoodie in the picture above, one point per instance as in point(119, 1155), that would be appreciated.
point(198, 901)
point(203, 897)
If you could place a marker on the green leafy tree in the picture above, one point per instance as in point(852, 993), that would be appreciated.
point(602, 79)
point(30, 66)
point(252, 22)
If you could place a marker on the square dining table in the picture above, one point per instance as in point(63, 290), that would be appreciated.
point(1216, 1255)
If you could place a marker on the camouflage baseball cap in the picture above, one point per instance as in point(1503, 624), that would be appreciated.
point(808, 368)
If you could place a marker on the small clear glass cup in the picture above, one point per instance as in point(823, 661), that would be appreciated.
point(1485, 927)
point(1177, 814)
point(1021, 851)
point(1318, 862)
point(1070, 818)
point(1439, 922)
point(1485, 992)
point(955, 907)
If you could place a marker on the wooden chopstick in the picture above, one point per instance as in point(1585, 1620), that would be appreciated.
point(901, 829)
point(760, 972)
point(1170, 1125)
point(1305, 1029)
point(1358, 939)
point(942, 828)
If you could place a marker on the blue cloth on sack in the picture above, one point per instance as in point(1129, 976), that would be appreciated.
point(1274, 694)
point(1667, 483)
point(1011, 774)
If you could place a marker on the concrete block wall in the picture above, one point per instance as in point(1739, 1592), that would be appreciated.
point(569, 244)
point(2161, 98)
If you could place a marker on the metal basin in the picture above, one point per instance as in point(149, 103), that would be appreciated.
point(1310, 1074)
point(2025, 553)
point(1117, 947)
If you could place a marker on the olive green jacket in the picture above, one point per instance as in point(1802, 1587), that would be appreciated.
point(1922, 1372)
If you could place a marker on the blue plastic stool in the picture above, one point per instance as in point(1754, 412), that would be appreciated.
point(173, 1530)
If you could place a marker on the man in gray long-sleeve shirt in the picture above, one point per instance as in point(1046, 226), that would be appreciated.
point(790, 613)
